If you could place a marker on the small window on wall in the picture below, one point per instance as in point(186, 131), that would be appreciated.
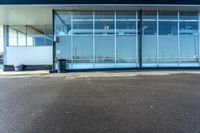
point(21, 39)
point(12, 37)
point(29, 41)
point(30, 35)
point(39, 35)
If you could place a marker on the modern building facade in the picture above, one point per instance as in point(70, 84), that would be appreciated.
point(117, 34)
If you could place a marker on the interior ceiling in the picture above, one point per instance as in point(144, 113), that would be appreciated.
point(42, 14)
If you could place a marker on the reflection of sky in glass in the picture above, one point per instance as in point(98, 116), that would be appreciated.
point(103, 27)
point(162, 46)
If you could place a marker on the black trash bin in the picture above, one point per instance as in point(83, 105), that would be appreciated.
point(61, 66)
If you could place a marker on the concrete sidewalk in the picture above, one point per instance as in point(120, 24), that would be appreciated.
point(72, 75)
point(23, 73)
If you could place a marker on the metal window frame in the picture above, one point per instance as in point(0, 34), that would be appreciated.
point(157, 39)
point(199, 37)
point(93, 39)
point(136, 40)
point(115, 34)
point(178, 45)
point(72, 43)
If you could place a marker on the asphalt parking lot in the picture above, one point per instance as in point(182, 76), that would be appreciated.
point(139, 104)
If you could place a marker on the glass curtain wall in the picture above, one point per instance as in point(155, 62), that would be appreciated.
point(170, 39)
point(100, 39)
point(109, 39)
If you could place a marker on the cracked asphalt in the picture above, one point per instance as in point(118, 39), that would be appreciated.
point(140, 104)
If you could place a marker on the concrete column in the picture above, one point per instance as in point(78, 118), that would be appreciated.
point(5, 42)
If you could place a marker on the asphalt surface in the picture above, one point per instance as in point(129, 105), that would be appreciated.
point(141, 104)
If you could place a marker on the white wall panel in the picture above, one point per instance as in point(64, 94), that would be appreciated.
point(41, 55)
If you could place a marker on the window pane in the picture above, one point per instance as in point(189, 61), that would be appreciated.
point(63, 47)
point(104, 27)
point(126, 37)
point(149, 41)
point(21, 39)
point(12, 37)
point(49, 35)
point(40, 34)
point(189, 42)
point(82, 16)
point(83, 27)
point(149, 15)
point(126, 15)
point(126, 27)
point(168, 15)
point(63, 23)
point(83, 52)
point(188, 15)
point(105, 49)
point(168, 42)
point(126, 49)
point(29, 41)
point(104, 15)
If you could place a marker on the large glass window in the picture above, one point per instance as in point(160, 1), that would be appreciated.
point(30, 35)
point(21, 39)
point(110, 38)
point(126, 37)
point(12, 34)
point(104, 37)
point(39, 35)
point(168, 37)
point(63, 38)
point(149, 37)
point(83, 37)
point(188, 37)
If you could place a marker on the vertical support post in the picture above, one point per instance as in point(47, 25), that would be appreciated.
point(136, 40)
point(5, 43)
point(26, 34)
point(199, 37)
point(53, 42)
point(178, 39)
point(17, 38)
point(93, 32)
point(45, 34)
point(72, 45)
point(115, 17)
point(140, 39)
point(157, 40)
